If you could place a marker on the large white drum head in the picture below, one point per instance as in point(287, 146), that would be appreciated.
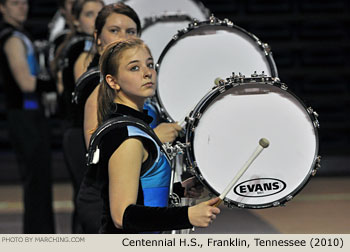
point(158, 34)
point(146, 8)
point(188, 69)
point(228, 133)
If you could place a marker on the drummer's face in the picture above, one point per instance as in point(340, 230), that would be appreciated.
point(15, 11)
point(87, 17)
point(136, 78)
point(117, 27)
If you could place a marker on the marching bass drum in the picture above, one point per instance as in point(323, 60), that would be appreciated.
point(85, 85)
point(198, 55)
point(154, 8)
point(158, 31)
point(224, 130)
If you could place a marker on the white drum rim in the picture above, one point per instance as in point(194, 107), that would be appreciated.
point(200, 6)
point(212, 22)
point(153, 23)
point(165, 18)
point(205, 102)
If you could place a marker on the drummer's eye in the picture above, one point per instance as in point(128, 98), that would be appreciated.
point(151, 65)
point(131, 32)
point(134, 68)
point(89, 14)
point(114, 30)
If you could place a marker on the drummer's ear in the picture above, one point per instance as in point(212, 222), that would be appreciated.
point(112, 82)
point(98, 41)
point(76, 23)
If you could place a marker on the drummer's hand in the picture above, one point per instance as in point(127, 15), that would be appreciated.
point(193, 188)
point(167, 132)
point(203, 214)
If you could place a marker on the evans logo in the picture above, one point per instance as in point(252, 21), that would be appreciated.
point(261, 187)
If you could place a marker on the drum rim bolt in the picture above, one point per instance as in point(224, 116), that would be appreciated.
point(284, 86)
point(228, 22)
point(276, 203)
point(289, 197)
point(241, 205)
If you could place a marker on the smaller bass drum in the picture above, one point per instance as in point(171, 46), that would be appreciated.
point(201, 53)
point(155, 8)
point(85, 85)
point(158, 31)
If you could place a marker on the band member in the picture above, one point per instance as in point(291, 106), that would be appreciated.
point(84, 15)
point(115, 22)
point(134, 181)
point(28, 128)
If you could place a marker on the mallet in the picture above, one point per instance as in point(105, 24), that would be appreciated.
point(263, 143)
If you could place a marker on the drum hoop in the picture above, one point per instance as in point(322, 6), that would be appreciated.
point(213, 21)
point(149, 21)
point(52, 49)
point(199, 4)
point(118, 122)
point(75, 41)
point(194, 119)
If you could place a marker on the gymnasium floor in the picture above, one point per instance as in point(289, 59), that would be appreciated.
point(322, 207)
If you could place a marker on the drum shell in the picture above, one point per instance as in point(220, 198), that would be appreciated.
point(273, 167)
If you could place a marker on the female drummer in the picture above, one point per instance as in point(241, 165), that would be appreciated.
point(84, 15)
point(129, 78)
point(115, 22)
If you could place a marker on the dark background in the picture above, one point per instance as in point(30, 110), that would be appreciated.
point(310, 44)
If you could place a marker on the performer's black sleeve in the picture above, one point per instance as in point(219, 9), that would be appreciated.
point(138, 218)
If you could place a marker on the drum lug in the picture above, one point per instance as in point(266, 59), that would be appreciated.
point(212, 19)
point(276, 203)
point(228, 204)
point(174, 150)
point(189, 119)
point(276, 80)
point(317, 165)
point(228, 22)
point(289, 197)
point(315, 115)
point(254, 75)
point(267, 48)
point(241, 205)
point(222, 89)
point(284, 86)
point(237, 79)
point(198, 116)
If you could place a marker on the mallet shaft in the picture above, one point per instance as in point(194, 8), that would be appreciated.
point(263, 143)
